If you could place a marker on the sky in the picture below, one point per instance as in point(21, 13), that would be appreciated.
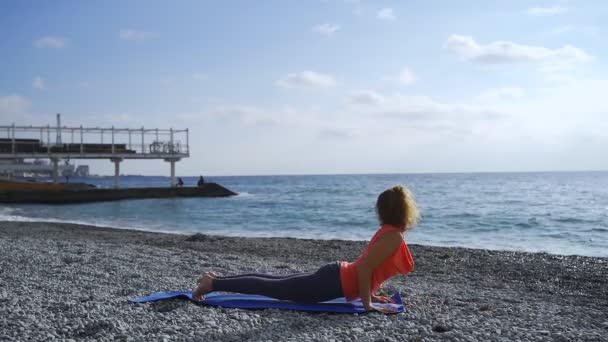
point(320, 86)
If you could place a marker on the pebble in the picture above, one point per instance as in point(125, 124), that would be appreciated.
point(440, 328)
point(559, 337)
point(357, 330)
point(470, 296)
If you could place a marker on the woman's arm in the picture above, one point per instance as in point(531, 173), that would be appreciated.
point(384, 247)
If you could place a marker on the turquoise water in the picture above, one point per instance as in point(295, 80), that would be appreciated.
point(559, 213)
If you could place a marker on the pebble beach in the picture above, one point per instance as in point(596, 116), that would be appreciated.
point(71, 282)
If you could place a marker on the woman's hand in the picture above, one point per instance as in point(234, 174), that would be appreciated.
point(382, 299)
point(382, 309)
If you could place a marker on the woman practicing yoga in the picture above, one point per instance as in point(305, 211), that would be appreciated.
point(385, 256)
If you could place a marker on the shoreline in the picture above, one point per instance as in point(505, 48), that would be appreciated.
point(184, 233)
point(70, 281)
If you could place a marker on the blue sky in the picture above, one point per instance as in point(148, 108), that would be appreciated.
point(327, 86)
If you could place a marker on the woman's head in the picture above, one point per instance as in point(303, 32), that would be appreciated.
point(396, 206)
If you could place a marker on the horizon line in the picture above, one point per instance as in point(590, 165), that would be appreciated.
point(361, 174)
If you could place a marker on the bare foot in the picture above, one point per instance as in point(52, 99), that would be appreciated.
point(205, 286)
point(212, 274)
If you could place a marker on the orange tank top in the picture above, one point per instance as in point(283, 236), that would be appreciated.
point(400, 262)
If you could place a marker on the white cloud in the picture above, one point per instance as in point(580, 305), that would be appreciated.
point(419, 115)
point(423, 120)
point(51, 42)
point(407, 77)
point(575, 108)
point(546, 11)
point(574, 30)
point(504, 118)
point(367, 114)
point(13, 106)
point(496, 94)
point(334, 134)
point(121, 119)
point(502, 52)
point(38, 83)
point(425, 107)
point(262, 117)
point(239, 113)
point(134, 35)
point(327, 29)
point(306, 79)
point(365, 97)
point(545, 115)
point(590, 30)
point(561, 30)
point(386, 13)
point(529, 130)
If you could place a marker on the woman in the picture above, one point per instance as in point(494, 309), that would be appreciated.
point(385, 256)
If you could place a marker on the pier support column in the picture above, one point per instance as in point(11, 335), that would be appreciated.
point(116, 162)
point(172, 173)
point(172, 161)
point(55, 163)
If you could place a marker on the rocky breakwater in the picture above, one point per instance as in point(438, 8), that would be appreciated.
point(100, 195)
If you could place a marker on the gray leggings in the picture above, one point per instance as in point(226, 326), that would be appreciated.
point(307, 287)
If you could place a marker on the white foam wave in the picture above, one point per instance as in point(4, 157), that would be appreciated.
point(6, 214)
point(6, 211)
point(245, 194)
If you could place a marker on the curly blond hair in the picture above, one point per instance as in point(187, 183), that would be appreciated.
point(396, 206)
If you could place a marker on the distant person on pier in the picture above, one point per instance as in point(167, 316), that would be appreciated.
point(180, 182)
point(201, 181)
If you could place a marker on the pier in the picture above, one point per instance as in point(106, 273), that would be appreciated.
point(111, 143)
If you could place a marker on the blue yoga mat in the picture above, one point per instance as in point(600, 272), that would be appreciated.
point(244, 301)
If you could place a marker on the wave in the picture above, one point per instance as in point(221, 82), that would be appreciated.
point(19, 218)
point(6, 214)
point(573, 220)
point(461, 215)
point(558, 235)
point(245, 194)
point(6, 211)
point(531, 223)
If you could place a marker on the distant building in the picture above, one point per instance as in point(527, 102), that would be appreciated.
point(39, 168)
point(82, 171)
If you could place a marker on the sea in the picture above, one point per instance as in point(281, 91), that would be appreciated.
point(562, 213)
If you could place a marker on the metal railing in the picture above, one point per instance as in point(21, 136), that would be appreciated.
point(83, 141)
